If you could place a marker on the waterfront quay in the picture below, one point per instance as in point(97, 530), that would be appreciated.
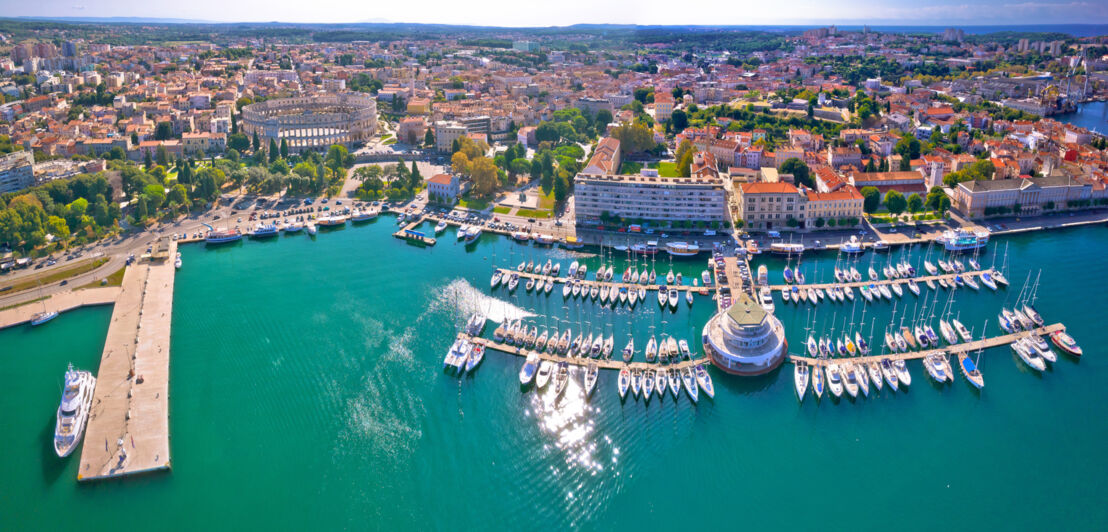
point(601, 363)
point(59, 302)
point(128, 426)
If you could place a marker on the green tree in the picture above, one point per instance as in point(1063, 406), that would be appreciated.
point(871, 199)
point(147, 160)
point(429, 138)
point(162, 156)
point(178, 195)
point(908, 147)
point(284, 148)
point(257, 142)
point(895, 202)
point(142, 211)
point(561, 190)
point(799, 171)
point(915, 203)
point(484, 174)
point(680, 120)
point(163, 131)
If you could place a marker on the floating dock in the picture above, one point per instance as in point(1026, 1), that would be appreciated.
point(601, 363)
point(410, 234)
point(899, 280)
point(128, 426)
point(586, 283)
point(957, 348)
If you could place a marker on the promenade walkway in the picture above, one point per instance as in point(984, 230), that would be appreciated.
point(128, 427)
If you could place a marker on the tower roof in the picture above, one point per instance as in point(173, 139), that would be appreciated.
point(746, 312)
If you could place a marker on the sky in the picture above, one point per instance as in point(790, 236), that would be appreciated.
point(566, 12)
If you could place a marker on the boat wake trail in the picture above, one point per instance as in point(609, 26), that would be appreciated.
point(467, 299)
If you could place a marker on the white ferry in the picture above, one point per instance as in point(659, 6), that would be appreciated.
point(363, 216)
point(264, 231)
point(962, 240)
point(221, 236)
point(73, 410)
point(330, 221)
point(521, 236)
point(682, 249)
point(572, 242)
point(784, 248)
point(544, 240)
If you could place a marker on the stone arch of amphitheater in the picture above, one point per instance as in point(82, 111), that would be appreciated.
point(310, 123)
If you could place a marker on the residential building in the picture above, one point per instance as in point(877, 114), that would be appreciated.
point(17, 171)
point(649, 198)
point(446, 132)
point(768, 206)
point(663, 105)
point(841, 204)
point(605, 159)
point(978, 199)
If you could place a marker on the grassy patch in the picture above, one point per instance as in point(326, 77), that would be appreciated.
point(630, 167)
point(115, 279)
point(476, 204)
point(668, 169)
point(534, 213)
point(45, 278)
point(546, 201)
point(36, 300)
point(500, 209)
point(388, 142)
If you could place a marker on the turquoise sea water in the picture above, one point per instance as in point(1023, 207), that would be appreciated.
point(307, 392)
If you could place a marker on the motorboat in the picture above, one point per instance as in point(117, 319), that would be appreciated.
point(546, 370)
point(934, 369)
point(561, 378)
point(673, 298)
point(834, 380)
point(1066, 343)
point(1028, 355)
point(440, 228)
point(1042, 348)
point(573, 269)
point(73, 410)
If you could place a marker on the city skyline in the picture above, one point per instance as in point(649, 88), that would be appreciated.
point(501, 13)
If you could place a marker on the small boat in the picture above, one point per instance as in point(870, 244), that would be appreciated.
point(461, 229)
point(648, 384)
point(689, 297)
point(884, 289)
point(949, 333)
point(439, 228)
point(691, 388)
point(817, 381)
point(800, 379)
point(591, 373)
point(530, 284)
point(913, 286)
point(705, 381)
point(556, 270)
point(513, 283)
point(1066, 343)
point(889, 372)
point(651, 350)
point(561, 378)
point(834, 380)
point(476, 355)
point(1042, 348)
point(1033, 315)
point(528, 371)
point(624, 382)
point(636, 382)
point(908, 337)
point(934, 369)
point(73, 410)
point(674, 383)
point(546, 370)
point(902, 373)
point(573, 269)
point(42, 317)
point(495, 279)
point(987, 280)
point(897, 289)
point(970, 371)
point(673, 298)
point(788, 274)
point(850, 380)
point(931, 269)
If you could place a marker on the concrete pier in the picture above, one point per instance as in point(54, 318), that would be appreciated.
point(128, 427)
point(60, 302)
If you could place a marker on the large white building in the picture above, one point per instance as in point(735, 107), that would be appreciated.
point(17, 171)
point(745, 340)
point(446, 132)
point(649, 198)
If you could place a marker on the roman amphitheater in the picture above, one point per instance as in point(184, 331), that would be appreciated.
point(312, 122)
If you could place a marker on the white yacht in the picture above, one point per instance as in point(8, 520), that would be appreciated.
point(73, 410)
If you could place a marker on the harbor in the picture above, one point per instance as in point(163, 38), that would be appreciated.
point(368, 376)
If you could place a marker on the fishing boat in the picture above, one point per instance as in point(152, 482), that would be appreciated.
point(546, 370)
point(800, 379)
point(591, 373)
point(73, 410)
point(1066, 343)
point(624, 382)
point(880, 245)
point(704, 380)
point(689, 382)
point(852, 247)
